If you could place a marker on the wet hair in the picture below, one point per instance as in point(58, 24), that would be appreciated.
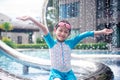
point(65, 21)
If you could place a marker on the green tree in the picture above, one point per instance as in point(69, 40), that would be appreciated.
point(0, 31)
point(52, 14)
point(6, 26)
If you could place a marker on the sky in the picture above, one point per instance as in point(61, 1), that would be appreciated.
point(16, 8)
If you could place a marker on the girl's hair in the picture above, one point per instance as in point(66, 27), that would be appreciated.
point(64, 21)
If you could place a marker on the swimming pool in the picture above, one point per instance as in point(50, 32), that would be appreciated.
point(35, 74)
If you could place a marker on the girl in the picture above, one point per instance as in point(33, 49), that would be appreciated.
point(60, 49)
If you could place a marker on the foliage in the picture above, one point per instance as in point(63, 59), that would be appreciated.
point(36, 46)
point(9, 42)
point(1, 26)
point(52, 14)
point(6, 26)
point(94, 46)
point(101, 46)
point(50, 3)
point(40, 40)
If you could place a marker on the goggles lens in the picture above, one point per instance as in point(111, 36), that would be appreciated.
point(64, 24)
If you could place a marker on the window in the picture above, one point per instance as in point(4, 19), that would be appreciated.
point(69, 10)
point(104, 8)
point(19, 40)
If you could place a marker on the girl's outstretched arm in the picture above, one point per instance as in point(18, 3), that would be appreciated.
point(43, 27)
point(104, 31)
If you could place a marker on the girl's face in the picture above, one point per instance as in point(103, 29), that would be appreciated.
point(62, 33)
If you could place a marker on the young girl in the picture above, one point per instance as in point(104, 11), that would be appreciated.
point(60, 49)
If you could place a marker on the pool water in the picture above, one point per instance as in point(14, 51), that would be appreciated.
point(37, 74)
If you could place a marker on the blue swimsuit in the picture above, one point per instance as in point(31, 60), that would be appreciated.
point(60, 55)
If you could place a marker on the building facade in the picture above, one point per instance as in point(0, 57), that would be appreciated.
point(22, 33)
point(87, 15)
point(81, 15)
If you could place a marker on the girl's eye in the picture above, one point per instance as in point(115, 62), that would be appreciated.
point(66, 31)
point(60, 30)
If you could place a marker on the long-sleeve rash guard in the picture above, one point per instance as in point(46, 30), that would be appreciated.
point(60, 52)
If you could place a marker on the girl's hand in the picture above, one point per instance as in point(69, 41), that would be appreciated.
point(107, 31)
point(24, 18)
point(40, 25)
point(104, 31)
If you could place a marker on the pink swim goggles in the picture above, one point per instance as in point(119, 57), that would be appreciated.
point(64, 24)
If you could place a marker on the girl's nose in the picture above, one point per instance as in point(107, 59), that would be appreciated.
point(63, 33)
